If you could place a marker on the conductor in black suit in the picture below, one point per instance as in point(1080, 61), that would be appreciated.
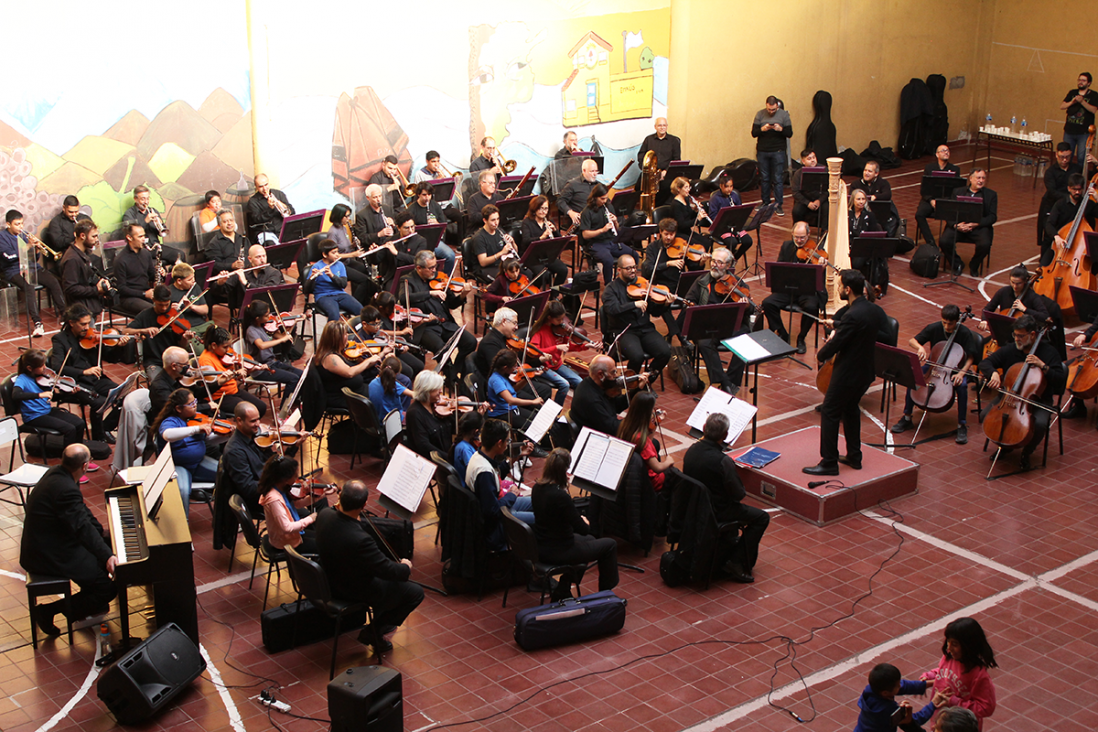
point(852, 343)
point(357, 569)
point(62, 538)
point(980, 233)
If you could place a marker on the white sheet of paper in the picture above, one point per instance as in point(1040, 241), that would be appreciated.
point(406, 478)
point(543, 420)
point(600, 458)
point(591, 458)
point(739, 412)
point(745, 347)
point(613, 463)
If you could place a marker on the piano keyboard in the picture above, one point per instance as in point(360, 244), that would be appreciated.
point(127, 528)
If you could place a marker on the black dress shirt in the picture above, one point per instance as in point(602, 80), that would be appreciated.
point(854, 343)
point(1004, 298)
point(262, 217)
point(426, 431)
point(62, 231)
point(667, 149)
point(396, 195)
point(224, 252)
point(134, 216)
point(476, 204)
point(61, 536)
point(592, 408)
point(621, 310)
point(351, 558)
point(574, 195)
point(242, 461)
point(134, 271)
point(491, 344)
point(78, 279)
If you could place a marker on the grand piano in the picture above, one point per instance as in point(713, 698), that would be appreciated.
point(155, 551)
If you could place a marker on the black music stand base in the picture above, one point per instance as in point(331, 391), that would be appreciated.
point(952, 278)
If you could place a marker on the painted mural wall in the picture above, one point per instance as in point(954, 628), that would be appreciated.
point(311, 96)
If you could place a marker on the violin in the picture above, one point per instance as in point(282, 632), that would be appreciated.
point(179, 325)
point(110, 338)
point(1010, 422)
point(813, 252)
point(207, 374)
point(529, 349)
point(269, 438)
point(282, 321)
point(64, 384)
point(446, 406)
point(732, 287)
point(361, 349)
point(231, 358)
point(657, 419)
point(945, 359)
point(443, 281)
point(575, 335)
point(681, 248)
point(660, 294)
point(394, 341)
point(220, 426)
point(303, 488)
point(415, 315)
point(525, 371)
point(522, 286)
point(615, 386)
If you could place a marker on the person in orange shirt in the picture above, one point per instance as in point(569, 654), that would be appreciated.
point(228, 392)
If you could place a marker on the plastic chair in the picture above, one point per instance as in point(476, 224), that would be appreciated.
point(259, 542)
point(312, 583)
point(26, 476)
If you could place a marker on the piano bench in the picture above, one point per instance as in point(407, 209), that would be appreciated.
point(40, 585)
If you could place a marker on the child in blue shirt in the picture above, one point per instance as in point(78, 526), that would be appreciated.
point(879, 706)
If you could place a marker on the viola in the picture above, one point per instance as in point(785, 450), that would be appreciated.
point(110, 338)
point(361, 349)
point(309, 486)
point(269, 438)
point(1010, 422)
point(681, 248)
point(657, 419)
point(220, 426)
point(446, 406)
point(525, 371)
point(659, 294)
point(575, 335)
point(731, 287)
point(522, 286)
point(207, 374)
point(945, 359)
point(284, 321)
point(415, 315)
point(616, 385)
point(231, 358)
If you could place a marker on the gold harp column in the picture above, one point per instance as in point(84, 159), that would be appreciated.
point(838, 232)
point(259, 86)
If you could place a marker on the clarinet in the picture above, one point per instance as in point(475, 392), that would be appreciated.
point(159, 276)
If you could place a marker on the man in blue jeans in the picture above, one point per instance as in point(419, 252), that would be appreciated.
point(326, 280)
point(1080, 104)
point(772, 127)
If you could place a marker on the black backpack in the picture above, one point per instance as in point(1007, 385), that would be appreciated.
point(682, 372)
point(925, 260)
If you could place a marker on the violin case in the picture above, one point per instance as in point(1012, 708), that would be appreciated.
point(570, 621)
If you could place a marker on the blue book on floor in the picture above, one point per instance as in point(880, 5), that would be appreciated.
point(757, 457)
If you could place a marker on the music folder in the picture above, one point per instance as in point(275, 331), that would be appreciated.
point(544, 250)
point(301, 226)
point(738, 411)
point(444, 188)
point(432, 233)
point(404, 482)
point(730, 219)
point(599, 462)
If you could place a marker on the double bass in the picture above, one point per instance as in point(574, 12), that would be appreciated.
point(1010, 421)
point(944, 361)
point(1070, 266)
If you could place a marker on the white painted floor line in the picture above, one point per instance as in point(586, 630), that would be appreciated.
point(235, 719)
point(14, 575)
point(63, 712)
point(230, 580)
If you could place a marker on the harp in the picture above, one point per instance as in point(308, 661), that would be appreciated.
point(838, 233)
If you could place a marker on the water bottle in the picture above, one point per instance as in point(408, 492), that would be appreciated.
point(1023, 133)
point(987, 127)
point(104, 639)
point(1013, 122)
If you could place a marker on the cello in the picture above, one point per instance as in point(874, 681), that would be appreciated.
point(1082, 379)
point(1070, 266)
point(1010, 421)
point(945, 360)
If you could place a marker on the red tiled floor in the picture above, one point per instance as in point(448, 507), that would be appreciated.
point(686, 655)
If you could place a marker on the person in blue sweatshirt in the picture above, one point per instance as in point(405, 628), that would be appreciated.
point(879, 706)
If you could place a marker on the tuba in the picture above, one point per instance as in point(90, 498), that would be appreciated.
point(650, 184)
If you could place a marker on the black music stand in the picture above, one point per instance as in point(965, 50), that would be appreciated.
point(775, 348)
point(1086, 301)
point(952, 211)
point(712, 322)
point(281, 256)
point(814, 184)
point(631, 235)
point(508, 183)
point(202, 274)
point(684, 169)
point(432, 233)
point(526, 304)
point(625, 202)
point(874, 249)
point(1001, 327)
point(730, 219)
point(444, 188)
point(398, 276)
point(762, 215)
point(512, 210)
point(301, 226)
point(897, 367)
point(284, 296)
point(544, 251)
point(687, 278)
point(939, 185)
point(796, 280)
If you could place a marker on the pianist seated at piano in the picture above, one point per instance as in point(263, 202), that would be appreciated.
point(61, 538)
point(187, 441)
point(281, 507)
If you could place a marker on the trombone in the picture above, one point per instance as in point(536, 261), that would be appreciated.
point(457, 181)
point(408, 190)
point(507, 166)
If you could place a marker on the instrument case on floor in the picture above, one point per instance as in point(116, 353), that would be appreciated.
point(294, 624)
point(570, 621)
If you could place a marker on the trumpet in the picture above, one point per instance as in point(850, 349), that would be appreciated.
point(507, 166)
point(409, 189)
point(158, 222)
point(279, 205)
point(38, 244)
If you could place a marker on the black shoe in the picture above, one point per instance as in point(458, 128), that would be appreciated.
point(783, 335)
point(902, 426)
point(1023, 461)
point(962, 434)
point(856, 464)
point(974, 269)
point(199, 496)
point(958, 268)
point(43, 618)
point(736, 573)
point(539, 452)
point(687, 344)
point(821, 469)
point(1076, 410)
point(109, 438)
point(802, 347)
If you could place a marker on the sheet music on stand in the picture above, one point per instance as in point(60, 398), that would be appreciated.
point(738, 411)
point(599, 461)
point(287, 404)
point(543, 420)
point(405, 481)
point(118, 393)
point(747, 348)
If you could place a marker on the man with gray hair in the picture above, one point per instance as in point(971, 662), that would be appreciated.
point(573, 198)
point(476, 203)
point(504, 326)
point(61, 538)
point(388, 177)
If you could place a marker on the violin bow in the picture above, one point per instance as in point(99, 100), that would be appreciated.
point(525, 347)
point(60, 372)
point(99, 356)
point(277, 314)
point(209, 394)
point(652, 279)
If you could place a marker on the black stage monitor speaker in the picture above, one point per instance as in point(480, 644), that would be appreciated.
point(367, 699)
point(143, 681)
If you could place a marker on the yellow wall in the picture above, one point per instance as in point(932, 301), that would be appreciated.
point(1034, 57)
point(727, 57)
